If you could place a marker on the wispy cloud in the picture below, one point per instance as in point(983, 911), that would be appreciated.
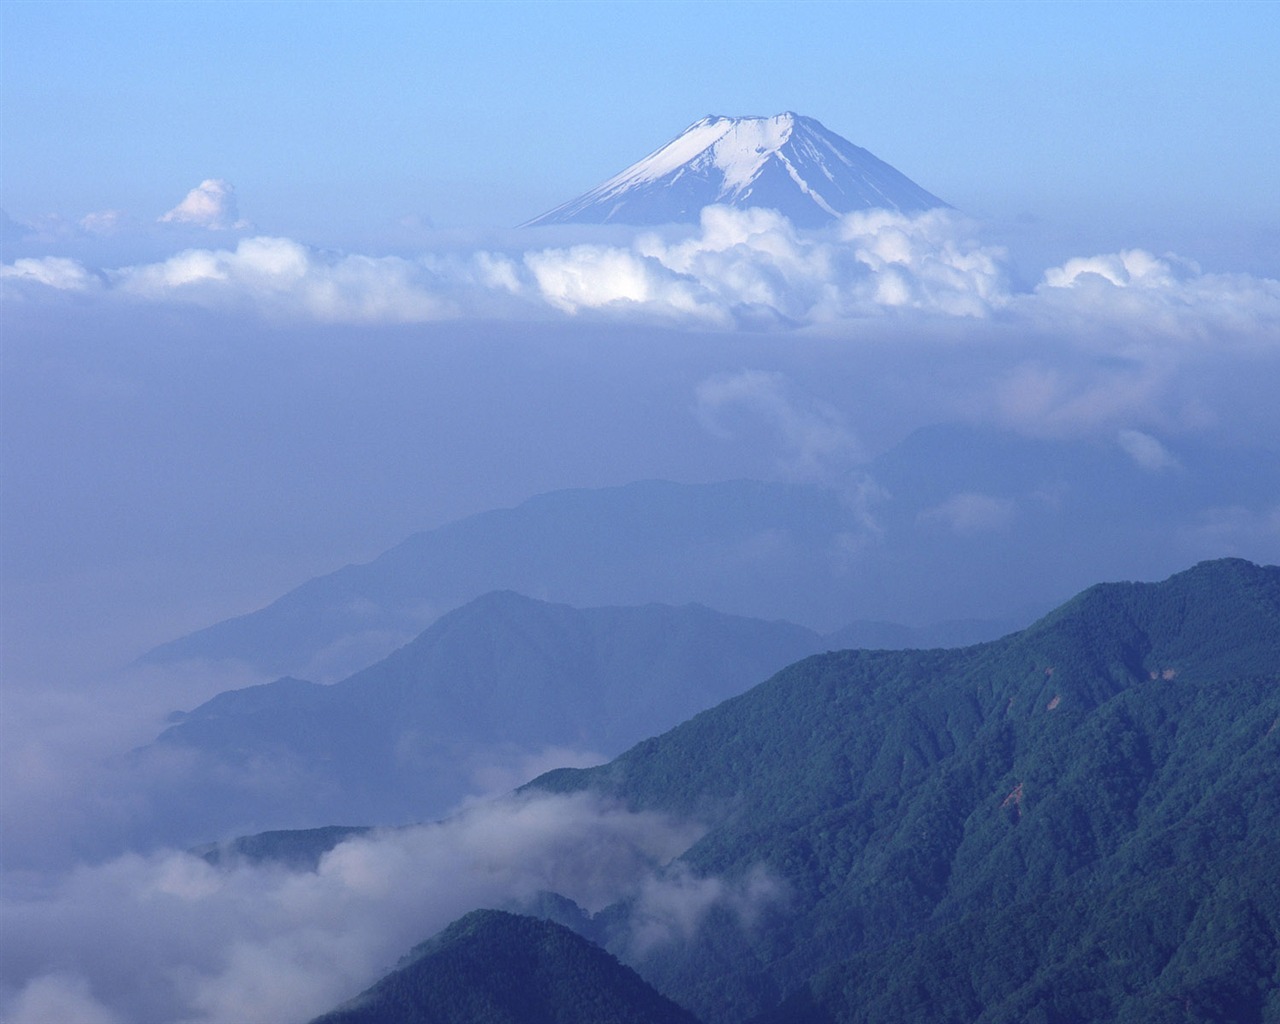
point(101, 222)
point(671, 906)
point(812, 438)
point(1145, 450)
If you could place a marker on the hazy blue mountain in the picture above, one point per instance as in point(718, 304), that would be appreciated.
point(787, 162)
point(500, 684)
point(1078, 822)
point(629, 545)
point(954, 524)
point(492, 967)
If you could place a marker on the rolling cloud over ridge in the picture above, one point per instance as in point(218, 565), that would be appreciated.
point(206, 944)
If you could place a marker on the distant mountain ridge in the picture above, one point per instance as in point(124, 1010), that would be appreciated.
point(787, 162)
point(502, 682)
point(965, 523)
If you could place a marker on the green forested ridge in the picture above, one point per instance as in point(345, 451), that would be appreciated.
point(1080, 822)
point(492, 967)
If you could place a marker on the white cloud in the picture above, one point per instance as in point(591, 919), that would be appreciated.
point(1132, 268)
point(1145, 450)
point(928, 261)
point(282, 278)
point(738, 269)
point(211, 204)
point(168, 937)
point(586, 277)
point(1165, 298)
point(57, 272)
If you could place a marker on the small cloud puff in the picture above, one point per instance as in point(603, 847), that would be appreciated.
point(211, 204)
point(1145, 450)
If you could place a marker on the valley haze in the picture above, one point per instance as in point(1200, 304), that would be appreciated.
point(293, 419)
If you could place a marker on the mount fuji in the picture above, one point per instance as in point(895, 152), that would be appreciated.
point(787, 162)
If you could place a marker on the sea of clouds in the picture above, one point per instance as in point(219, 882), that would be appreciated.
point(738, 269)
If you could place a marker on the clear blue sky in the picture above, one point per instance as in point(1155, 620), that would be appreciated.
point(335, 120)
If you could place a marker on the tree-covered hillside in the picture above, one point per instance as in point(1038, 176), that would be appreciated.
point(492, 967)
point(1080, 822)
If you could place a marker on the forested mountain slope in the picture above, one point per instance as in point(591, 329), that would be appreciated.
point(492, 967)
point(1079, 822)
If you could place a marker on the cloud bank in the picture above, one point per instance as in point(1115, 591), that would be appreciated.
point(740, 269)
point(170, 938)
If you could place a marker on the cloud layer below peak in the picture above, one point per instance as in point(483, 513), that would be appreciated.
point(739, 269)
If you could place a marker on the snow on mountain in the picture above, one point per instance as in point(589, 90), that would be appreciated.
point(787, 162)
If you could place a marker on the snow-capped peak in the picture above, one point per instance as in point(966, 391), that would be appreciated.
point(787, 162)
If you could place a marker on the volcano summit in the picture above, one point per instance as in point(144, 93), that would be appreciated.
point(787, 162)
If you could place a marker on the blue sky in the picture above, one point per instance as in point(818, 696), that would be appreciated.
point(337, 123)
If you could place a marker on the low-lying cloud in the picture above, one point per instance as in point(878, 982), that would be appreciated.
point(671, 906)
point(738, 269)
point(168, 937)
